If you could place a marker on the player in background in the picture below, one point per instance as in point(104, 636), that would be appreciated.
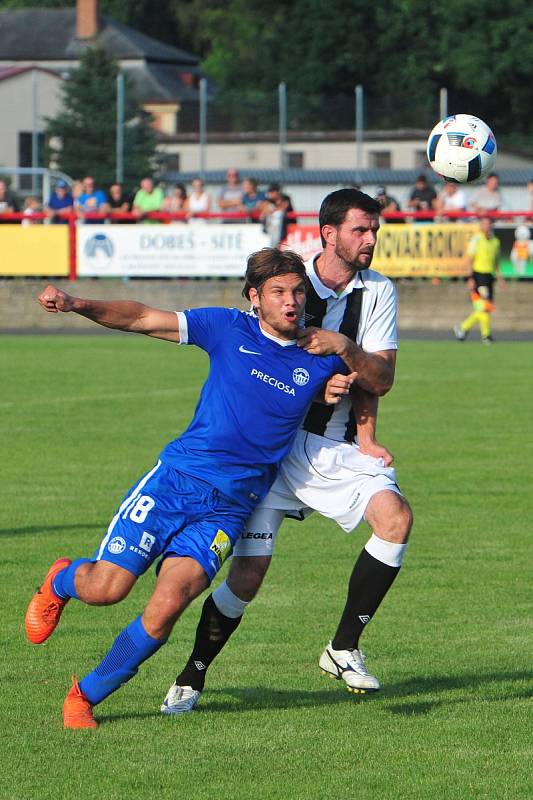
point(335, 467)
point(483, 254)
point(192, 506)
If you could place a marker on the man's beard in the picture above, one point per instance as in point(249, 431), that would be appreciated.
point(352, 265)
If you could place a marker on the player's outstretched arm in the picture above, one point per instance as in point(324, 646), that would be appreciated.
point(365, 406)
point(375, 371)
point(124, 315)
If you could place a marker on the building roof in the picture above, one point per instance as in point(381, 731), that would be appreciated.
point(12, 72)
point(343, 177)
point(49, 34)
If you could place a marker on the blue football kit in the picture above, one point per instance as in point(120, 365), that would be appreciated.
point(197, 498)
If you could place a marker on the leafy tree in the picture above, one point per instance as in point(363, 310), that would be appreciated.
point(402, 51)
point(86, 127)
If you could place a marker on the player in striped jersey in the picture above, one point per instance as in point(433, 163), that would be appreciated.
point(335, 466)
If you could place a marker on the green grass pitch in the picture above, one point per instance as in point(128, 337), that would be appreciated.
point(84, 416)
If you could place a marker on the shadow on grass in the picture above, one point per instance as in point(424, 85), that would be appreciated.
point(33, 529)
point(501, 686)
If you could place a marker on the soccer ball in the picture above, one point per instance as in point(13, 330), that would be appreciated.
point(461, 148)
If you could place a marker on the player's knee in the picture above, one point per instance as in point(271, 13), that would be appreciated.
point(394, 520)
point(246, 575)
point(105, 586)
point(401, 522)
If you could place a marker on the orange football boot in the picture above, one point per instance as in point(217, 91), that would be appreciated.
point(45, 607)
point(77, 711)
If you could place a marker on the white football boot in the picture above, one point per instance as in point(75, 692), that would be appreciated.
point(180, 700)
point(349, 666)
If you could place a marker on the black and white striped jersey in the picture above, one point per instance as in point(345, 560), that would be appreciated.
point(366, 312)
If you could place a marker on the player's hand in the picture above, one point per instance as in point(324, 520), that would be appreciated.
point(376, 450)
point(337, 387)
point(502, 283)
point(55, 300)
point(320, 342)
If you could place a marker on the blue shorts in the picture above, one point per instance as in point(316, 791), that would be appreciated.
point(168, 513)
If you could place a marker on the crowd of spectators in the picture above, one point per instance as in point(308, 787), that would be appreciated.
point(270, 207)
point(451, 198)
point(238, 199)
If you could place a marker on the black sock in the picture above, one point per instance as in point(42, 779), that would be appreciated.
point(212, 633)
point(369, 583)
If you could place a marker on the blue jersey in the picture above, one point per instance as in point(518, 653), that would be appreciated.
point(254, 398)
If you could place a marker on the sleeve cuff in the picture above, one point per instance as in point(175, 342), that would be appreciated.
point(183, 327)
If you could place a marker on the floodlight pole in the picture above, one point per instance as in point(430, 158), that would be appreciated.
point(282, 114)
point(119, 175)
point(34, 128)
point(203, 125)
point(443, 103)
point(359, 129)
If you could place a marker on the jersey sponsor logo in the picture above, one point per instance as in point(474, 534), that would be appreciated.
point(256, 535)
point(221, 546)
point(117, 545)
point(242, 349)
point(147, 541)
point(262, 376)
point(300, 376)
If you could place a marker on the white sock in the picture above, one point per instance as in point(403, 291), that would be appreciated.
point(228, 603)
point(386, 552)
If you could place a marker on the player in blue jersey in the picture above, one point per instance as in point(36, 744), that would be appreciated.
point(192, 506)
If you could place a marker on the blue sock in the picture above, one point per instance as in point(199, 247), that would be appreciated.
point(63, 583)
point(131, 647)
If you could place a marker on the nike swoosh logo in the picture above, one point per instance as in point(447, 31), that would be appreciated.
point(242, 349)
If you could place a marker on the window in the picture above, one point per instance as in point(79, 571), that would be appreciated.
point(171, 162)
point(294, 160)
point(380, 159)
point(25, 153)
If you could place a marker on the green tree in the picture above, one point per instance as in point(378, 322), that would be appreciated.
point(82, 137)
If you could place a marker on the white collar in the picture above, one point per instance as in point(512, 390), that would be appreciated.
point(282, 342)
point(357, 282)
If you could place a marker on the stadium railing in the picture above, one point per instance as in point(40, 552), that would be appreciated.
point(73, 219)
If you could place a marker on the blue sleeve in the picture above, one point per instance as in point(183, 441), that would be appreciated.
point(206, 327)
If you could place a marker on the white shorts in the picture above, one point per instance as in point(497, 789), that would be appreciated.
point(333, 478)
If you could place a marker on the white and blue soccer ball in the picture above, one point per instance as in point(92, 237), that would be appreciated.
point(462, 148)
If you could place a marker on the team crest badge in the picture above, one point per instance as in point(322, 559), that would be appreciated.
point(300, 376)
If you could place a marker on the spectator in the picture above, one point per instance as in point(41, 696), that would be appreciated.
point(388, 203)
point(119, 200)
point(275, 214)
point(32, 206)
point(176, 201)
point(91, 201)
point(148, 198)
point(450, 198)
point(423, 196)
point(76, 190)
point(488, 197)
point(230, 196)
point(252, 200)
point(60, 202)
point(9, 203)
point(199, 199)
point(530, 190)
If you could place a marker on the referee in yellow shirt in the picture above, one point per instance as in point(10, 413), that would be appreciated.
point(483, 255)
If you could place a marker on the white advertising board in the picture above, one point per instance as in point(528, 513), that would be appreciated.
point(179, 250)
